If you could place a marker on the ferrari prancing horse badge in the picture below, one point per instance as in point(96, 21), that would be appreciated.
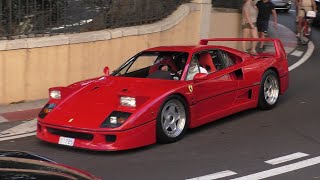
point(190, 88)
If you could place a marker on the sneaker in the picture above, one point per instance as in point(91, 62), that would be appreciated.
point(298, 35)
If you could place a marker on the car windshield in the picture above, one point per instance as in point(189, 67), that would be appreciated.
point(154, 64)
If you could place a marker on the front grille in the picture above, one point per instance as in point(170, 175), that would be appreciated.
point(70, 134)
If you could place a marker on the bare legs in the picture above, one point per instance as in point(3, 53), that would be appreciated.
point(247, 33)
point(299, 24)
point(261, 35)
point(254, 34)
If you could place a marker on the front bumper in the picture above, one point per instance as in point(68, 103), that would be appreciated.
point(100, 140)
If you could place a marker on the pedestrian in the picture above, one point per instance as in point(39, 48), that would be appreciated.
point(265, 9)
point(249, 24)
point(303, 7)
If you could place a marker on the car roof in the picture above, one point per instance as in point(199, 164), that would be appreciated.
point(192, 48)
point(173, 48)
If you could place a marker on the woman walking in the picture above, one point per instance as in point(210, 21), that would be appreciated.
point(249, 24)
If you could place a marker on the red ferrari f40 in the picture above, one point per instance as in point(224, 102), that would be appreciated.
point(160, 92)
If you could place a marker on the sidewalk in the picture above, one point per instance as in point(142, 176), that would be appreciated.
point(29, 110)
point(21, 111)
point(287, 37)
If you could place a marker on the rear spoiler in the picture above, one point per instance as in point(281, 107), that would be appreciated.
point(280, 52)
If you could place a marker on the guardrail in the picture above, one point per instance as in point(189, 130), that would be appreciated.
point(234, 4)
point(30, 18)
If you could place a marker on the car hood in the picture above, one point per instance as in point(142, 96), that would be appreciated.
point(89, 106)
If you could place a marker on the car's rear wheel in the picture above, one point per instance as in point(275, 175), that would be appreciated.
point(172, 120)
point(269, 90)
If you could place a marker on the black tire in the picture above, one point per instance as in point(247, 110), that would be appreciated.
point(172, 107)
point(269, 90)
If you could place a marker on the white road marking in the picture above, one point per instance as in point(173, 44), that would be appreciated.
point(281, 170)
point(217, 175)
point(286, 158)
point(23, 130)
point(17, 136)
point(297, 53)
point(304, 58)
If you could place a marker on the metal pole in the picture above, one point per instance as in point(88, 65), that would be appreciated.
point(1, 13)
point(9, 16)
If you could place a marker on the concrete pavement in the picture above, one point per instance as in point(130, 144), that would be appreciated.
point(29, 110)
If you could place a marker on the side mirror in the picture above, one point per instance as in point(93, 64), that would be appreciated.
point(106, 71)
point(200, 77)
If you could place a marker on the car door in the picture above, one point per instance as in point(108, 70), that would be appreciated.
point(215, 94)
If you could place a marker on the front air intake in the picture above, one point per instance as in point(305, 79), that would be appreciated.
point(71, 134)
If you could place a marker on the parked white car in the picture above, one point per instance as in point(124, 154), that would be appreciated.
point(284, 5)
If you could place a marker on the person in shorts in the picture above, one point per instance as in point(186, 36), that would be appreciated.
point(304, 6)
point(249, 25)
point(265, 9)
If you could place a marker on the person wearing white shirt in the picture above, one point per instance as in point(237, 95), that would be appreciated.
point(194, 68)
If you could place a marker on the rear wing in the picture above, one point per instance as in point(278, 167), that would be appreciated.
point(278, 46)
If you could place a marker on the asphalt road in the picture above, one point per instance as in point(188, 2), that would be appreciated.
point(239, 144)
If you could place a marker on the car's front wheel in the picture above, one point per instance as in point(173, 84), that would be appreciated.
point(172, 120)
point(269, 90)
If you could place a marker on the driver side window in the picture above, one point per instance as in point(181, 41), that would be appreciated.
point(198, 60)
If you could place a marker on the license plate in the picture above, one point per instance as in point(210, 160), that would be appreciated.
point(66, 141)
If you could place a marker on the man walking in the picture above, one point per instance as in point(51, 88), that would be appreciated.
point(265, 8)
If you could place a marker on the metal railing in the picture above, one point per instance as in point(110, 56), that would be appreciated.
point(30, 18)
point(234, 4)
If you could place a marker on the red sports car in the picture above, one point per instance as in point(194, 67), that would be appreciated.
point(161, 92)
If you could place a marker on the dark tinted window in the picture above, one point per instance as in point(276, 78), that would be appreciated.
point(228, 61)
point(217, 61)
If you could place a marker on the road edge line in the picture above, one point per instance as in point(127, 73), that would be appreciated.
point(18, 136)
point(305, 57)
